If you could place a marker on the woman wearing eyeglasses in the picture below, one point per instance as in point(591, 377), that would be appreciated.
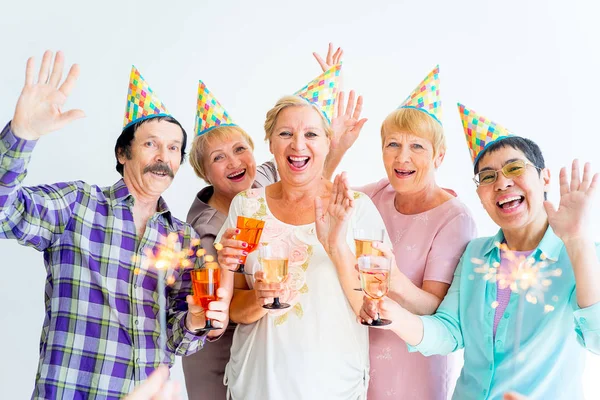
point(482, 315)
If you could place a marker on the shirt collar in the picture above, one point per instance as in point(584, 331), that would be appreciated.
point(119, 195)
point(163, 210)
point(550, 245)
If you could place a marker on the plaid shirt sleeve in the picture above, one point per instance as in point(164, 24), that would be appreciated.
point(181, 341)
point(34, 216)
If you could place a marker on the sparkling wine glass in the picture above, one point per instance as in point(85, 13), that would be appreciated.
point(274, 263)
point(205, 282)
point(250, 232)
point(363, 242)
point(375, 274)
point(364, 239)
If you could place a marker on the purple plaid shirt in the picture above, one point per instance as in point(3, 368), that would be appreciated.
point(100, 333)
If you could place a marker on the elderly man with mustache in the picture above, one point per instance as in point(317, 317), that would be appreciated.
point(101, 332)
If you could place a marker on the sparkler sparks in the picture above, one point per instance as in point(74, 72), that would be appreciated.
point(524, 275)
point(166, 258)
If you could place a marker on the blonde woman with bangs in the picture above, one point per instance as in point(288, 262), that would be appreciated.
point(429, 228)
point(222, 156)
point(315, 348)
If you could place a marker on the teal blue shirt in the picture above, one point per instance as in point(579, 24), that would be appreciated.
point(552, 345)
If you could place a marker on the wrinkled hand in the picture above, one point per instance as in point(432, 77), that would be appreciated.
point(39, 108)
point(331, 59)
point(157, 387)
point(266, 292)
point(572, 219)
point(218, 312)
point(396, 276)
point(385, 308)
point(347, 124)
point(232, 252)
point(332, 224)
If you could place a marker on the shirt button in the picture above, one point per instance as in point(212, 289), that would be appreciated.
point(135, 285)
point(582, 321)
point(499, 344)
point(506, 315)
point(136, 321)
point(484, 391)
point(491, 367)
point(137, 360)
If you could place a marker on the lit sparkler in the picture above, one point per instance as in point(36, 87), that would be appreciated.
point(167, 257)
point(525, 277)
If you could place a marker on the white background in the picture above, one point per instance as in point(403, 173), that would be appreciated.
point(530, 65)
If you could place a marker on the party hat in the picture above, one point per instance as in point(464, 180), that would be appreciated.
point(322, 91)
point(480, 131)
point(142, 103)
point(210, 114)
point(426, 96)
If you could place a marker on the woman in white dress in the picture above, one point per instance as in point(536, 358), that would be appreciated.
point(315, 349)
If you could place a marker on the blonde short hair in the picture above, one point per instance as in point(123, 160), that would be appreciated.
point(415, 122)
point(200, 143)
point(292, 101)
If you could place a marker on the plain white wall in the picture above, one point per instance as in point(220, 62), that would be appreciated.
point(530, 65)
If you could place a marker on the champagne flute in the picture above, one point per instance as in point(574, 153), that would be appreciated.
point(250, 232)
point(363, 242)
point(375, 281)
point(274, 263)
point(205, 282)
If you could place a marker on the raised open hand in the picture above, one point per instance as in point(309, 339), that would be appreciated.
point(39, 108)
point(332, 224)
point(572, 219)
point(346, 124)
point(332, 58)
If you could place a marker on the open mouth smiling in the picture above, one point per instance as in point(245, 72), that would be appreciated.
point(404, 173)
point(510, 202)
point(237, 176)
point(298, 163)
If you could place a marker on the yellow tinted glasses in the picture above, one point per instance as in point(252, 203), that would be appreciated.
point(510, 170)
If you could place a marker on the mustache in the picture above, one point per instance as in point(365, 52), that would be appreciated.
point(160, 168)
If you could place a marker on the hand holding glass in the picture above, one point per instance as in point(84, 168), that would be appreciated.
point(375, 281)
point(274, 263)
point(250, 232)
point(205, 283)
point(363, 242)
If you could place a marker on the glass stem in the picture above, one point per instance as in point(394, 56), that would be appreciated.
point(378, 319)
point(276, 302)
